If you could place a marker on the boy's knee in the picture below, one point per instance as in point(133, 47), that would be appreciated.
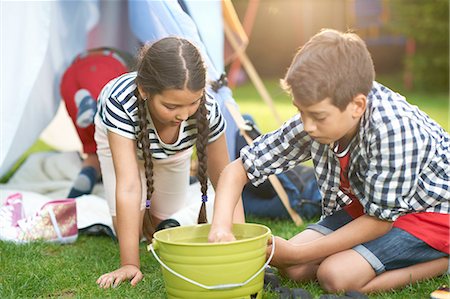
point(328, 277)
point(332, 278)
point(299, 273)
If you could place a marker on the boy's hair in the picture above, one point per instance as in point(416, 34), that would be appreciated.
point(332, 64)
point(171, 63)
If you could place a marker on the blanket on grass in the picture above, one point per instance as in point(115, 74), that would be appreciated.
point(48, 176)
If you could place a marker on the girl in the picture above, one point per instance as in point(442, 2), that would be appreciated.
point(156, 114)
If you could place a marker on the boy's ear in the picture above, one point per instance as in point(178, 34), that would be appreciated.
point(359, 105)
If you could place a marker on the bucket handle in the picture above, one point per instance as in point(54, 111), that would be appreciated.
point(219, 286)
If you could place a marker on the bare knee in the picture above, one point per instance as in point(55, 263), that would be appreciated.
point(335, 277)
point(300, 273)
point(329, 278)
point(344, 271)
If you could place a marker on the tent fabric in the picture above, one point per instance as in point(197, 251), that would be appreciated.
point(37, 47)
point(39, 39)
point(210, 28)
point(152, 20)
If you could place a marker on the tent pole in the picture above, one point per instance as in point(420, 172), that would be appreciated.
point(249, 68)
point(249, 20)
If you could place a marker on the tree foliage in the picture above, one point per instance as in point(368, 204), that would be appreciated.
point(427, 22)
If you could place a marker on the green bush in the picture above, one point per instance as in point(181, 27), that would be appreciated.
point(427, 22)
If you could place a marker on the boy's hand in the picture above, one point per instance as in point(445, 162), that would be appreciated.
point(113, 279)
point(283, 254)
point(218, 235)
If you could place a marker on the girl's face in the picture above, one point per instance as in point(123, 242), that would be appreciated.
point(172, 106)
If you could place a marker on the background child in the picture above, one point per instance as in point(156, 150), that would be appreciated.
point(147, 124)
point(377, 160)
point(80, 86)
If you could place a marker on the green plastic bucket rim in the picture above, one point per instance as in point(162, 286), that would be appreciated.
point(155, 239)
point(219, 286)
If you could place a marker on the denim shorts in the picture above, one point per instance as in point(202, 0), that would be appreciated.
point(394, 250)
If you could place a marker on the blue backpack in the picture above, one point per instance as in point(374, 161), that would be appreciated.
point(301, 187)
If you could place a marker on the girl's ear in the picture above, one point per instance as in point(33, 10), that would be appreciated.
point(359, 103)
point(142, 93)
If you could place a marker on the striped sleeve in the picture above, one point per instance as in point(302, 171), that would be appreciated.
point(217, 124)
point(118, 111)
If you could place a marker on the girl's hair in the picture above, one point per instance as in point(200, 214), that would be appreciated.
point(332, 64)
point(171, 63)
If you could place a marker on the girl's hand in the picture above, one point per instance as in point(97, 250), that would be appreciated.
point(113, 279)
point(220, 234)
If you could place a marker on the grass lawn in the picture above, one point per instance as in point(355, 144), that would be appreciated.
point(49, 270)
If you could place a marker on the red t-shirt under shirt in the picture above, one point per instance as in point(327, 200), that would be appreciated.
point(432, 228)
point(354, 209)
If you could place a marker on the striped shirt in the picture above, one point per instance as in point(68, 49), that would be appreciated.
point(400, 159)
point(118, 110)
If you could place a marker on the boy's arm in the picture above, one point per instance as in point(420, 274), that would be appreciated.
point(228, 192)
point(360, 230)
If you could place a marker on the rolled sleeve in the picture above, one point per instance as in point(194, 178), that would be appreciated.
point(276, 152)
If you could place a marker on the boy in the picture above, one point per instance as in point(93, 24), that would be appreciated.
point(382, 165)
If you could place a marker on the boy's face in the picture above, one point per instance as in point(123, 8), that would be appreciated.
point(326, 123)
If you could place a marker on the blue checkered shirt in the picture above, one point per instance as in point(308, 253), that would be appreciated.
point(399, 163)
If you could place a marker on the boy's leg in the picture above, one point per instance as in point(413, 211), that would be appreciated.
point(303, 272)
point(404, 276)
point(393, 260)
point(334, 276)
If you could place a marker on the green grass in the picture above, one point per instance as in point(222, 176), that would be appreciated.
point(53, 271)
point(69, 271)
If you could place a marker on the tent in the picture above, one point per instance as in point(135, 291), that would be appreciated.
point(38, 46)
point(49, 34)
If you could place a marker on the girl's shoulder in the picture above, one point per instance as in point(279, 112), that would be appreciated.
point(122, 86)
point(212, 106)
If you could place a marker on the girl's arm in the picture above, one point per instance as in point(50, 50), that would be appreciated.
point(128, 202)
point(228, 194)
point(128, 198)
point(218, 159)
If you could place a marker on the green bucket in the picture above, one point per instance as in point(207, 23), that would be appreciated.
point(194, 268)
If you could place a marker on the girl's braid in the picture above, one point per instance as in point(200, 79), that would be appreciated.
point(143, 138)
point(201, 143)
